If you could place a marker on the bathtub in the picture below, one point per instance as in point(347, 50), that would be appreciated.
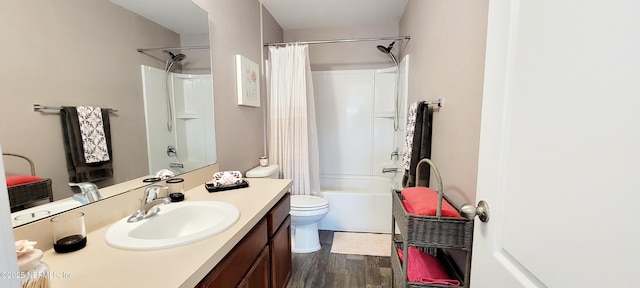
point(357, 204)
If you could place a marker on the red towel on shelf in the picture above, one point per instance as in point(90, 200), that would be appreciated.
point(408, 207)
point(21, 179)
point(424, 201)
point(424, 268)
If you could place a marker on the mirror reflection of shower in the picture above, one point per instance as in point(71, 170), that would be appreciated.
point(387, 50)
point(191, 143)
point(167, 69)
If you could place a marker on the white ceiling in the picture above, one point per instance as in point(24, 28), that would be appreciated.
point(304, 14)
point(290, 14)
point(191, 20)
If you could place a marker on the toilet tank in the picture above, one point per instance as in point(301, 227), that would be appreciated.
point(269, 171)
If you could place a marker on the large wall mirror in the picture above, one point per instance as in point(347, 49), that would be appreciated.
point(86, 53)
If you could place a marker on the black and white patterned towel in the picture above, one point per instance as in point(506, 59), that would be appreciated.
point(94, 141)
point(408, 143)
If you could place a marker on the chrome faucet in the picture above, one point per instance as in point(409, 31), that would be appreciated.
point(88, 192)
point(149, 203)
point(395, 154)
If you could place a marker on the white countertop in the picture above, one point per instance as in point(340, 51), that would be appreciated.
point(100, 265)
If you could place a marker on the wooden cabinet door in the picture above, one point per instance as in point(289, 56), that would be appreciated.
point(233, 268)
point(258, 276)
point(280, 245)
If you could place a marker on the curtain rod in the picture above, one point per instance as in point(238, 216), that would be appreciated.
point(41, 108)
point(171, 48)
point(396, 38)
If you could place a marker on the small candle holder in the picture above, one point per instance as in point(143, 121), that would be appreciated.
point(69, 232)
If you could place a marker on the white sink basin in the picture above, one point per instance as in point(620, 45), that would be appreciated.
point(175, 225)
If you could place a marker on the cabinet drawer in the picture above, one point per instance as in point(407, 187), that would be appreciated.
point(230, 271)
point(279, 212)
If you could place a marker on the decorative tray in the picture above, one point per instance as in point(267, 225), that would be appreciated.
point(212, 188)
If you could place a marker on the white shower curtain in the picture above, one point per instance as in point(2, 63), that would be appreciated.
point(293, 140)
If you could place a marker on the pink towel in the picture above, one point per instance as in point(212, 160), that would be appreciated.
point(424, 268)
point(408, 207)
point(424, 201)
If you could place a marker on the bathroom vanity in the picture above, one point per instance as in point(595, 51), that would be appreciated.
point(269, 243)
point(254, 252)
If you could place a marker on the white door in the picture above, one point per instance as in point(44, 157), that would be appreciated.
point(560, 146)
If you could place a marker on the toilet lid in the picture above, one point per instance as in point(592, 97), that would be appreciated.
point(306, 201)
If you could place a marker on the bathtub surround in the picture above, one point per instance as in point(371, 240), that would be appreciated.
point(357, 141)
point(358, 204)
point(293, 142)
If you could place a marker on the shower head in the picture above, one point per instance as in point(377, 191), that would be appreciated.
point(177, 58)
point(387, 50)
point(173, 58)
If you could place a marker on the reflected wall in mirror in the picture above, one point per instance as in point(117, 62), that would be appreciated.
point(84, 52)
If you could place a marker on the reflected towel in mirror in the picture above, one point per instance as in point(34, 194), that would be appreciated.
point(94, 142)
point(77, 167)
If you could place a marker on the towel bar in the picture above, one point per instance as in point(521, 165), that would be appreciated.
point(41, 108)
point(439, 102)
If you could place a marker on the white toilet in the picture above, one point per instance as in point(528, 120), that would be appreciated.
point(305, 213)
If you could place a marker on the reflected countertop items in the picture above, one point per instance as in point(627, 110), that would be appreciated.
point(42, 211)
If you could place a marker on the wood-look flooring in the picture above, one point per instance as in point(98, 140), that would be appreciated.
point(325, 269)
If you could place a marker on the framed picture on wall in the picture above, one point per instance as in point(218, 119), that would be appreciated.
point(247, 82)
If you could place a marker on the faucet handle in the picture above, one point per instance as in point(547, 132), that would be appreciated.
point(84, 186)
point(89, 190)
point(152, 192)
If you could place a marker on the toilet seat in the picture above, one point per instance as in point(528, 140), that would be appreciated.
point(307, 203)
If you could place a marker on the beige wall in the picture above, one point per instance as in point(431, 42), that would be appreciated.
point(74, 53)
point(198, 61)
point(346, 56)
point(447, 60)
point(235, 28)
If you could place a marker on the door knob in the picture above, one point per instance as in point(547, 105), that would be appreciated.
point(482, 211)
